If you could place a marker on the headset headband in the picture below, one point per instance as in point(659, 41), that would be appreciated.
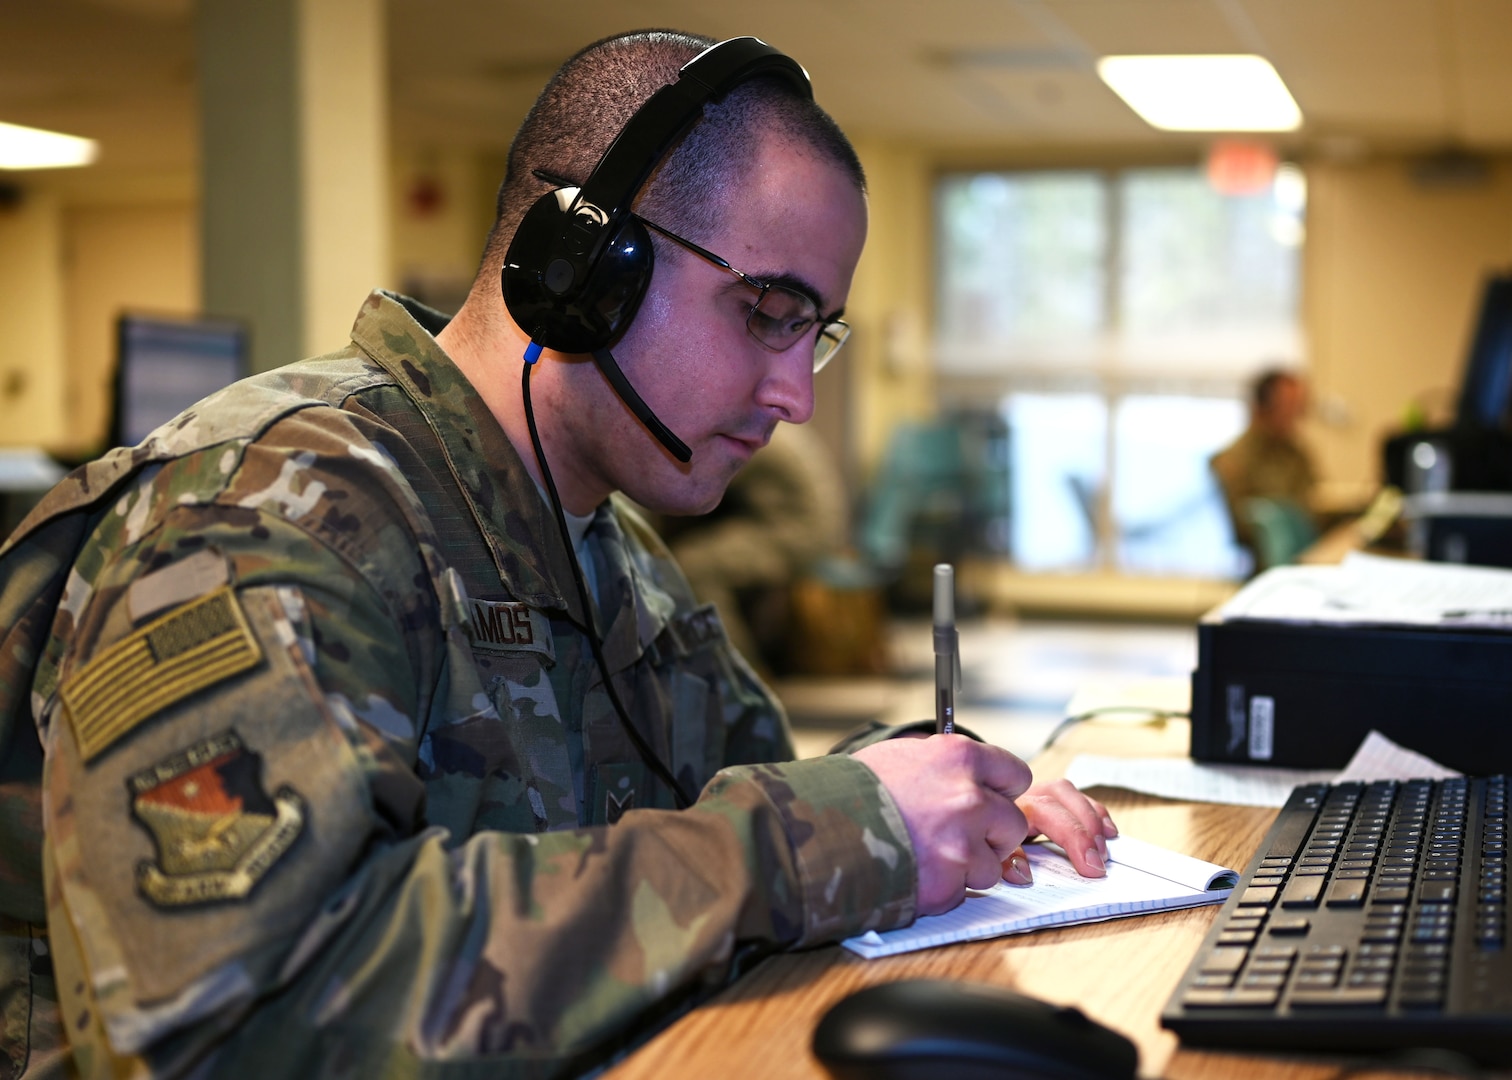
point(669, 112)
point(580, 262)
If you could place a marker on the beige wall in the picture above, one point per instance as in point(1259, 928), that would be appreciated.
point(1393, 278)
point(142, 258)
point(31, 310)
point(888, 363)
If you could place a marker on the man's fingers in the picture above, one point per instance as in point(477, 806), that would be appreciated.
point(986, 868)
point(1016, 869)
point(1072, 820)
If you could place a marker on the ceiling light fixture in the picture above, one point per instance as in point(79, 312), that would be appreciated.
point(33, 148)
point(1203, 93)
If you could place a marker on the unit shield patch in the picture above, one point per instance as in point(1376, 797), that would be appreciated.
point(217, 831)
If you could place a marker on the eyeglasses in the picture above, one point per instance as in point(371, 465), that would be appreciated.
point(780, 317)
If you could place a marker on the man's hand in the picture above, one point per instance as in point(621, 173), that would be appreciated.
point(956, 796)
point(969, 806)
point(1077, 822)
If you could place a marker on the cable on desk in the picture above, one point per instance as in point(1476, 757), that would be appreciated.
point(1071, 721)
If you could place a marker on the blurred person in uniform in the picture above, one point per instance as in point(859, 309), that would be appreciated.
point(1267, 474)
point(352, 724)
point(781, 514)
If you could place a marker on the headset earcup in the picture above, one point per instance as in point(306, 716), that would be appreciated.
point(565, 303)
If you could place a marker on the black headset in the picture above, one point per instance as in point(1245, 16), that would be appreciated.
point(580, 261)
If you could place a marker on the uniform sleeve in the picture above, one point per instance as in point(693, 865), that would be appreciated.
point(241, 880)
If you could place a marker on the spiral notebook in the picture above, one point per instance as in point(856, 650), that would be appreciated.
point(1141, 878)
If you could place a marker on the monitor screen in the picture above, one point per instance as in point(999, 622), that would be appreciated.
point(164, 365)
point(1486, 394)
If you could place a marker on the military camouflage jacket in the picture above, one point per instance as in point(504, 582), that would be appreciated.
point(329, 780)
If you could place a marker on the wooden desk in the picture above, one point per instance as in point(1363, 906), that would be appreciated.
point(1119, 972)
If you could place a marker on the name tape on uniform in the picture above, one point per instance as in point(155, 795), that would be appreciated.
point(504, 626)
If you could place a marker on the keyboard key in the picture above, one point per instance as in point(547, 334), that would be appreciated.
point(1224, 958)
point(1263, 980)
point(1276, 952)
point(1258, 897)
point(1346, 892)
point(1314, 980)
point(1264, 997)
point(1302, 892)
point(1290, 924)
point(1436, 892)
point(1338, 997)
point(1269, 967)
point(1328, 951)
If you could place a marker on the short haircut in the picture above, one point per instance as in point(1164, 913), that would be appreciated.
point(594, 94)
point(1264, 391)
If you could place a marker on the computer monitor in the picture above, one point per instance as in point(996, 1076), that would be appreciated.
point(1485, 402)
point(166, 364)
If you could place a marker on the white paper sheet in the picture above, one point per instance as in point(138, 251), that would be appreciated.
point(1193, 781)
point(1372, 590)
point(1378, 758)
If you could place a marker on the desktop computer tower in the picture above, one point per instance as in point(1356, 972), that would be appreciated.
point(1305, 695)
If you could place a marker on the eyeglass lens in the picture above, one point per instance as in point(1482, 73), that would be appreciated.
point(782, 316)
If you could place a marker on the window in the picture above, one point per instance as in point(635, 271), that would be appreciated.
point(1119, 315)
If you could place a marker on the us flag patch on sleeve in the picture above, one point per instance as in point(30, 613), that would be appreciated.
point(216, 829)
point(185, 651)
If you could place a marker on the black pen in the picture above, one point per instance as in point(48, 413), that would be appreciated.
point(945, 641)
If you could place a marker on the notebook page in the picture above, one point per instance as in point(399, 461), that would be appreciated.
point(1059, 896)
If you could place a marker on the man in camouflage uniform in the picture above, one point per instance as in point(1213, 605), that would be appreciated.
point(300, 689)
point(1268, 461)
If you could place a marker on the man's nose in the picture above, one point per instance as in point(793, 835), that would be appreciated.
point(787, 386)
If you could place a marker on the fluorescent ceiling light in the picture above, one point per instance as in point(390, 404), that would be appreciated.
point(33, 148)
point(1203, 93)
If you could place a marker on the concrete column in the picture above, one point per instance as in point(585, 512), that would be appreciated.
point(294, 167)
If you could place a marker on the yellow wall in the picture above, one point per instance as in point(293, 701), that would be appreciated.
point(142, 258)
point(31, 310)
point(890, 374)
point(1393, 278)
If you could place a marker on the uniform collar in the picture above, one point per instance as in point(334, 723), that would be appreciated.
point(515, 520)
point(398, 333)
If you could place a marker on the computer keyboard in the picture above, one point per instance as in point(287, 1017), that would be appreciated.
point(1372, 917)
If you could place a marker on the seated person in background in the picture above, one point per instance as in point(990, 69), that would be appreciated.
point(781, 514)
point(1267, 474)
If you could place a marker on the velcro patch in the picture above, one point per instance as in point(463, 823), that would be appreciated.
point(500, 626)
point(176, 584)
point(216, 830)
point(698, 629)
point(157, 665)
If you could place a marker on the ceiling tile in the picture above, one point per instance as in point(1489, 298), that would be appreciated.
point(1118, 27)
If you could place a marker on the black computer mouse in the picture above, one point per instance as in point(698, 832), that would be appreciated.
point(917, 1028)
